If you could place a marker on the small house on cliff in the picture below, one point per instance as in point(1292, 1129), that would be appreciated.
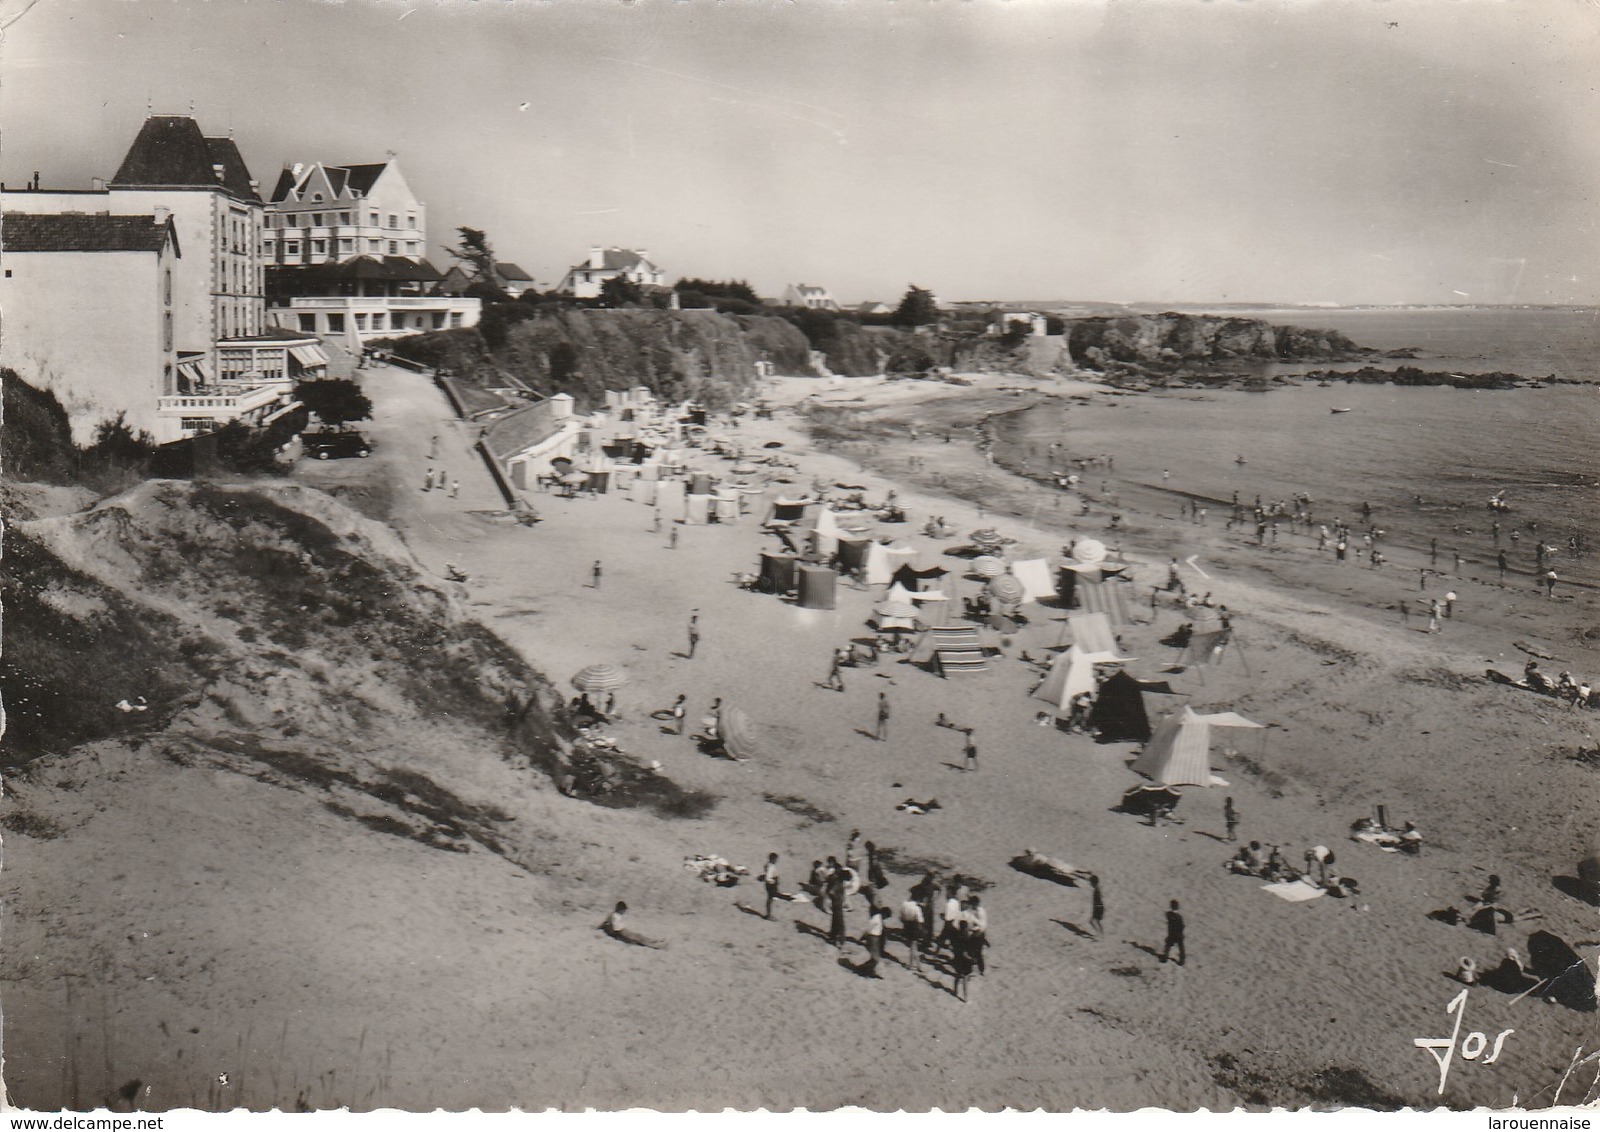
point(584, 280)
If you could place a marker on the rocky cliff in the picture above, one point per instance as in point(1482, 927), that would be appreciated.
point(1170, 340)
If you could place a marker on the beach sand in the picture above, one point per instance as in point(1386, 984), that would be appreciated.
point(329, 963)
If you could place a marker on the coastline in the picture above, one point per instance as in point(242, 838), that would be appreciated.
point(1280, 1003)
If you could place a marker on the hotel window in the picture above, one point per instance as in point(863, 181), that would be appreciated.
point(377, 320)
point(455, 320)
point(291, 247)
point(166, 287)
point(317, 197)
point(374, 245)
point(316, 220)
point(394, 247)
point(438, 320)
point(346, 245)
point(374, 220)
point(335, 323)
point(411, 220)
point(320, 247)
point(199, 424)
point(166, 331)
point(411, 247)
point(308, 323)
point(394, 221)
point(361, 321)
point(344, 218)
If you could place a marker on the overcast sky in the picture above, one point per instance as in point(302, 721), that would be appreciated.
point(1356, 151)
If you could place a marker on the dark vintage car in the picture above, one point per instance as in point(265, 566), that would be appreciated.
point(335, 445)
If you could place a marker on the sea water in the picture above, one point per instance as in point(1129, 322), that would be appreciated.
point(1427, 460)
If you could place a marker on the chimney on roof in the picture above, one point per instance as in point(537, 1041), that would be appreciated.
point(597, 258)
point(99, 184)
point(216, 171)
point(162, 214)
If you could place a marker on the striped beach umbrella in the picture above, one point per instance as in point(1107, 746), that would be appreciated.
point(1006, 589)
point(600, 678)
point(738, 734)
point(988, 566)
point(1089, 550)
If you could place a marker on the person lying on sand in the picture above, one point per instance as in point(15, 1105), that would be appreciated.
point(614, 927)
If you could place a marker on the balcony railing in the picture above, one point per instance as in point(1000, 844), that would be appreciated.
point(243, 401)
point(380, 303)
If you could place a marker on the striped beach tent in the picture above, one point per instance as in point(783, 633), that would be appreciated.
point(1179, 753)
point(1091, 632)
point(1097, 593)
point(956, 648)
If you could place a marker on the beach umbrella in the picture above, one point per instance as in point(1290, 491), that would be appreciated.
point(988, 566)
point(985, 534)
point(1006, 589)
point(738, 733)
point(1089, 550)
point(600, 678)
point(895, 609)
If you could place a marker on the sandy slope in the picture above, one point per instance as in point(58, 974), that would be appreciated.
point(318, 958)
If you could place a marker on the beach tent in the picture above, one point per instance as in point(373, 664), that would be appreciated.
point(1205, 648)
point(1067, 587)
point(1071, 673)
point(778, 573)
point(957, 648)
point(700, 484)
point(1091, 632)
point(1179, 753)
point(817, 584)
point(900, 556)
point(932, 608)
point(669, 497)
point(825, 534)
point(878, 571)
point(789, 510)
point(918, 581)
point(1100, 594)
point(1567, 977)
point(1034, 574)
point(697, 509)
point(727, 505)
point(650, 470)
point(853, 553)
point(643, 489)
point(599, 482)
point(1125, 707)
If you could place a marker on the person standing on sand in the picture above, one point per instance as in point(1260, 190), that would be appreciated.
point(977, 932)
point(679, 711)
point(1495, 529)
point(835, 679)
point(1433, 615)
point(911, 931)
point(1097, 906)
point(1433, 552)
point(1422, 578)
point(1500, 561)
point(655, 524)
point(836, 898)
point(1550, 583)
point(769, 880)
point(1405, 612)
point(1230, 817)
point(882, 731)
point(694, 632)
point(1174, 934)
point(969, 756)
point(1450, 604)
point(455, 489)
point(1457, 555)
point(594, 574)
point(872, 939)
point(672, 539)
point(427, 480)
point(950, 934)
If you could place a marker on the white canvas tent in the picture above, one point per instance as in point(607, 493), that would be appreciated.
point(1091, 632)
point(879, 571)
point(1179, 753)
point(1070, 673)
point(1034, 574)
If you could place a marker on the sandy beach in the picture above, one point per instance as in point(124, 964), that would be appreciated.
point(343, 967)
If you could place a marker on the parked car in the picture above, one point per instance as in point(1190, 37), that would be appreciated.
point(335, 445)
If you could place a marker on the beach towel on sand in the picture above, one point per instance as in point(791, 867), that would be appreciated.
point(1294, 891)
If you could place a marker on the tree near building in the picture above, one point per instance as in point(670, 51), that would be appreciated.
point(336, 401)
point(620, 291)
point(917, 308)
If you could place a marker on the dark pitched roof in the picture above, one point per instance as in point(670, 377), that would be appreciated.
point(171, 152)
point(81, 232)
point(512, 271)
point(235, 174)
point(338, 177)
point(363, 177)
point(389, 267)
point(286, 181)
